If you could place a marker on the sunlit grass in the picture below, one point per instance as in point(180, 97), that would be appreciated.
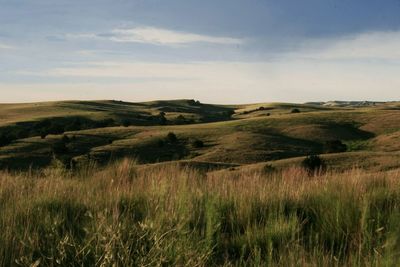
point(123, 215)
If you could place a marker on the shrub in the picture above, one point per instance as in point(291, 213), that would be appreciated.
point(228, 113)
point(43, 134)
point(160, 143)
point(313, 163)
point(171, 137)
point(56, 128)
point(126, 123)
point(193, 102)
point(162, 119)
point(295, 110)
point(5, 140)
point(104, 123)
point(65, 139)
point(180, 119)
point(334, 146)
point(74, 125)
point(198, 143)
point(59, 148)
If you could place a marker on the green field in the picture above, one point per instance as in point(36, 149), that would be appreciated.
point(182, 183)
point(237, 134)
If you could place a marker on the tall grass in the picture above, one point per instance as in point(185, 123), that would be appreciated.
point(124, 215)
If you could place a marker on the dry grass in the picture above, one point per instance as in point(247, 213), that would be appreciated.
point(172, 216)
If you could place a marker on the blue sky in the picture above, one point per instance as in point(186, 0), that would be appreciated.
point(216, 51)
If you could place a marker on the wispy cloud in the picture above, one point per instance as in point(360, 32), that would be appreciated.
point(364, 46)
point(361, 66)
point(229, 82)
point(6, 47)
point(157, 36)
point(160, 36)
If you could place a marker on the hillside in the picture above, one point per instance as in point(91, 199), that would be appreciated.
point(219, 136)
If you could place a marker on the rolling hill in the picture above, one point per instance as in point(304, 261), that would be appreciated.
point(219, 136)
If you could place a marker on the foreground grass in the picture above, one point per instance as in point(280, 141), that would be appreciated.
point(125, 216)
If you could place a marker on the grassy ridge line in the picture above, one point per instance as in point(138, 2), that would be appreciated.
point(373, 162)
point(243, 140)
point(127, 216)
point(12, 113)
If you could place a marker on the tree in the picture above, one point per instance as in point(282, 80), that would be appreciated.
point(180, 119)
point(43, 134)
point(229, 113)
point(126, 123)
point(193, 102)
point(295, 110)
point(4, 140)
point(198, 143)
point(65, 139)
point(171, 137)
point(59, 148)
point(313, 163)
point(334, 146)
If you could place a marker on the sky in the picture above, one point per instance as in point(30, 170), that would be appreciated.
point(216, 51)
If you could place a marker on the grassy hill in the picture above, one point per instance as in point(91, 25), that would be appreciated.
point(199, 184)
point(218, 135)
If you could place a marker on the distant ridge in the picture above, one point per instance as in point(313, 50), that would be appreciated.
point(347, 103)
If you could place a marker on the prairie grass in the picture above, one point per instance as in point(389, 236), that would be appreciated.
point(123, 215)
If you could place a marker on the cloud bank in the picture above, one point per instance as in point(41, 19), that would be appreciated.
point(358, 67)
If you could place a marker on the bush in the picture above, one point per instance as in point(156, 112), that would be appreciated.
point(180, 119)
point(334, 146)
point(193, 102)
point(295, 110)
point(313, 163)
point(160, 143)
point(162, 120)
point(171, 137)
point(56, 128)
point(229, 113)
point(198, 143)
point(126, 123)
point(59, 148)
point(74, 125)
point(65, 139)
point(43, 134)
point(104, 123)
point(5, 140)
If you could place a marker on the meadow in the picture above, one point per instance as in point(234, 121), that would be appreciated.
point(182, 183)
point(125, 215)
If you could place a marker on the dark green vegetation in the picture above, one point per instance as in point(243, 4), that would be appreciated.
point(31, 135)
point(210, 185)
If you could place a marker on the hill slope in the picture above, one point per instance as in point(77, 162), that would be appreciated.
point(77, 131)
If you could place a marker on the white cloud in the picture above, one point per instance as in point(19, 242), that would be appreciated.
point(152, 35)
point(361, 67)
point(6, 47)
point(228, 82)
point(157, 36)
